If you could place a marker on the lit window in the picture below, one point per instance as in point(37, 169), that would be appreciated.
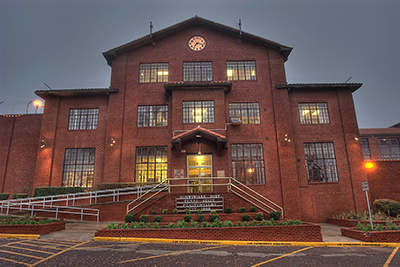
point(320, 162)
point(313, 113)
point(241, 70)
point(249, 113)
point(197, 71)
point(365, 148)
point(83, 119)
point(78, 167)
point(198, 111)
point(152, 116)
point(248, 163)
point(151, 164)
point(153, 73)
point(389, 148)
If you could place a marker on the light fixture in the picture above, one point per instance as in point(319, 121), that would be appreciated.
point(250, 170)
point(112, 141)
point(356, 138)
point(42, 144)
point(37, 104)
point(369, 165)
point(199, 144)
point(287, 138)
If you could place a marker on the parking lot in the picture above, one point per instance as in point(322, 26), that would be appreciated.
point(40, 252)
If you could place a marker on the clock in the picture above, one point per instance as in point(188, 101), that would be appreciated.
point(197, 43)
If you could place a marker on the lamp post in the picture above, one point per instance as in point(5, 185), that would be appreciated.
point(37, 104)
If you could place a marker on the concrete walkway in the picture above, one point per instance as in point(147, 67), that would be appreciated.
point(84, 231)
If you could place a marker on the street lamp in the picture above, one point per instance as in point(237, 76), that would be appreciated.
point(37, 104)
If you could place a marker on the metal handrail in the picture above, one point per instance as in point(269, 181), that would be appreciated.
point(252, 198)
point(140, 197)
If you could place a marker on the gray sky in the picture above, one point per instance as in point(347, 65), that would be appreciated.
point(60, 42)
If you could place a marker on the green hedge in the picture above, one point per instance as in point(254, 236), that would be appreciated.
point(4, 196)
point(52, 191)
point(387, 206)
point(19, 195)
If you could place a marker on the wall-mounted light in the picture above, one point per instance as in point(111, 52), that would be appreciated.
point(287, 138)
point(42, 143)
point(356, 138)
point(199, 144)
point(112, 141)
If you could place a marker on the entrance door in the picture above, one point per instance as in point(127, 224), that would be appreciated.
point(199, 167)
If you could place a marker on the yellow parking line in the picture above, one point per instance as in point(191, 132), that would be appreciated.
point(34, 245)
point(22, 248)
point(280, 257)
point(51, 243)
point(95, 247)
point(59, 242)
point(14, 261)
point(36, 263)
point(20, 254)
point(391, 257)
point(19, 236)
point(174, 253)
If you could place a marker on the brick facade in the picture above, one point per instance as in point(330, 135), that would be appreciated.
point(286, 180)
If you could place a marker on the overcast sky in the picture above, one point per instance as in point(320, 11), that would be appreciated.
point(59, 42)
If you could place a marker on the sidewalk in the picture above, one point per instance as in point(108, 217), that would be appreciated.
point(84, 231)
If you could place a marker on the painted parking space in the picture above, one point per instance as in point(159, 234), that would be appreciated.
point(106, 253)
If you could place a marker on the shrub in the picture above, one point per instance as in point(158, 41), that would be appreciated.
point(217, 223)
point(213, 212)
point(383, 205)
point(153, 212)
point(199, 211)
point(157, 219)
point(194, 224)
point(52, 191)
point(246, 217)
point(112, 226)
point(130, 217)
point(253, 209)
point(228, 210)
point(4, 196)
point(205, 224)
point(242, 210)
point(171, 225)
point(200, 218)
point(259, 216)
point(297, 222)
point(228, 224)
point(283, 223)
point(214, 217)
point(276, 215)
point(156, 225)
point(144, 218)
point(187, 218)
point(290, 222)
point(187, 211)
point(175, 211)
point(254, 223)
point(123, 226)
point(165, 211)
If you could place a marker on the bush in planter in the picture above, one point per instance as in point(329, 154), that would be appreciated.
point(200, 218)
point(246, 217)
point(199, 211)
point(242, 210)
point(165, 211)
point(144, 218)
point(228, 224)
point(187, 211)
point(214, 217)
point(228, 210)
point(259, 216)
point(174, 211)
point(130, 217)
point(4, 196)
point(187, 218)
point(276, 215)
point(384, 205)
point(253, 209)
point(153, 212)
point(213, 212)
point(157, 219)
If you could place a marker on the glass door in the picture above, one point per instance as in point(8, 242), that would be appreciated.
point(199, 167)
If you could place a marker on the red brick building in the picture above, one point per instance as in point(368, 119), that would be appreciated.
point(197, 99)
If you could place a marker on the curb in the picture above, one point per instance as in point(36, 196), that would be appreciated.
point(19, 236)
point(247, 243)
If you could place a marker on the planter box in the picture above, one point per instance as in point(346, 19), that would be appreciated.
point(35, 229)
point(306, 233)
point(166, 218)
point(353, 223)
point(375, 236)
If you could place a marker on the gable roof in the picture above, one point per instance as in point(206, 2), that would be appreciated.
point(111, 54)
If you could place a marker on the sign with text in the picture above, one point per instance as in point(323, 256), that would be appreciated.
point(201, 202)
point(365, 186)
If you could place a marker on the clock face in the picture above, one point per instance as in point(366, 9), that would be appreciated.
point(197, 43)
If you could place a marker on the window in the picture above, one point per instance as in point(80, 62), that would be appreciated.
point(320, 162)
point(83, 119)
point(78, 167)
point(313, 113)
point(197, 71)
point(248, 163)
point(153, 73)
point(389, 148)
point(249, 113)
point(198, 111)
point(365, 148)
point(241, 70)
point(151, 164)
point(152, 116)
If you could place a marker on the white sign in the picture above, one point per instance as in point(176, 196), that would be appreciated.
point(365, 186)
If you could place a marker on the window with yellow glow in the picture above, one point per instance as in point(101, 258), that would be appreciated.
point(198, 111)
point(313, 113)
point(241, 70)
point(151, 164)
point(153, 73)
point(249, 113)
